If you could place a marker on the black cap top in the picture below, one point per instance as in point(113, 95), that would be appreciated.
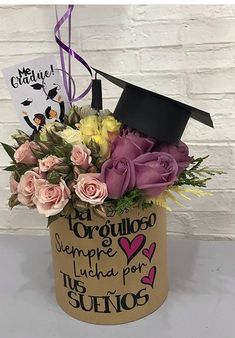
point(154, 114)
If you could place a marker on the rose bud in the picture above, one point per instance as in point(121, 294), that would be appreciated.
point(63, 169)
point(20, 137)
point(54, 177)
point(44, 146)
point(57, 126)
point(55, 137)
point(73, 116)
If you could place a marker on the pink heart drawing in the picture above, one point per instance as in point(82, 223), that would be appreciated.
point(151, 277)
point(131, 249)
point(149, 252)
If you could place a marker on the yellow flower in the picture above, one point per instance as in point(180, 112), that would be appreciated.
point(109, 125)
point(71, 136)
point(89, 126)
point(103, 144)
point(99, 129)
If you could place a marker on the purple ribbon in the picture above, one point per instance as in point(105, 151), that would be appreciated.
point(63, 47)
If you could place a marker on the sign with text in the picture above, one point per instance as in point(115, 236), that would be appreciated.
point(37, 92)
point(110, 271)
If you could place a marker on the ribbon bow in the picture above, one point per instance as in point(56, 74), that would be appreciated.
point(67, 78)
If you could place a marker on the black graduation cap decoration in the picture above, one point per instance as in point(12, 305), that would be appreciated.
point(27, 102)
point(96, 102)
point(53, 92)
point(153, 114)
point(37, 86)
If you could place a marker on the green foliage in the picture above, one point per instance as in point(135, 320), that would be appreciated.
point(10, 168)
point(94, 148)
point(38, 154)
point(197, 176)
point(58, 151)
point(95, 154)
point(9, 150)
point(20, 137)
point(20, 169)
point(51, 143)
point(13, 201)
point(53, 177)
point(132, 199)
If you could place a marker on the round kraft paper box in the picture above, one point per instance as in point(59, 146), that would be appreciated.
point(110, 271)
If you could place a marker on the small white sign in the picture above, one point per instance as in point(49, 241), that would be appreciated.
point(37, 92)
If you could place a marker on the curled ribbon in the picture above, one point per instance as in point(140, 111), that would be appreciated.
point(63, 47)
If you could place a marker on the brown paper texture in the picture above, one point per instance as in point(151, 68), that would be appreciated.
point(110, 271)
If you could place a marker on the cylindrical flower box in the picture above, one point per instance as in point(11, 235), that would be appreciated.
point(110, 271)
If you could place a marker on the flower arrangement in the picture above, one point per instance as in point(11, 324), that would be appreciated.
point(92, 160)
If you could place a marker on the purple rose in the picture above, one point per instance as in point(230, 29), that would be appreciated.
point(180, 153)
point(131, 145)
point(119, 176)
point(155, 172)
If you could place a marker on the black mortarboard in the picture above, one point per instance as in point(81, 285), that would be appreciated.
point(27, 102)
point(52, 93)
point(37, 86)
point(154, 114)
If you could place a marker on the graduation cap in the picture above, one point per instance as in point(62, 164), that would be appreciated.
point(37, 86)
point(53, 92)
point(96, 102)
point(153, 114)
point(27, 102)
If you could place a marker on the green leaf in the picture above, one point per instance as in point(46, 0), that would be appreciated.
point(94, 148)
point(70, 176)
point(196, 175)
point(10, 168)
point(59, 151)
point(22, 168)
point(68, 209)
point(13, 201)
point(54, 177)
point(38, 154)
point(52, 219)
point(36, 137)
point(67, 148)
point(9, 150)
point(17, 176)
point(129, 201)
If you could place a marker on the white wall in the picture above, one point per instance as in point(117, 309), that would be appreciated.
point(186, 52)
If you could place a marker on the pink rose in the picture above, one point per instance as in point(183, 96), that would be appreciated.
point(119, 175)
point(50, 199)
point(90, 189)
point(48, 163)
point(130, 145)
point(13, 184)
point(26, 187)
point(80, 156)
point(155, 172)
point(24, 154)
point(180, 153)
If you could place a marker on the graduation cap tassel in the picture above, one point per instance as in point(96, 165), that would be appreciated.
point(96, 102)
